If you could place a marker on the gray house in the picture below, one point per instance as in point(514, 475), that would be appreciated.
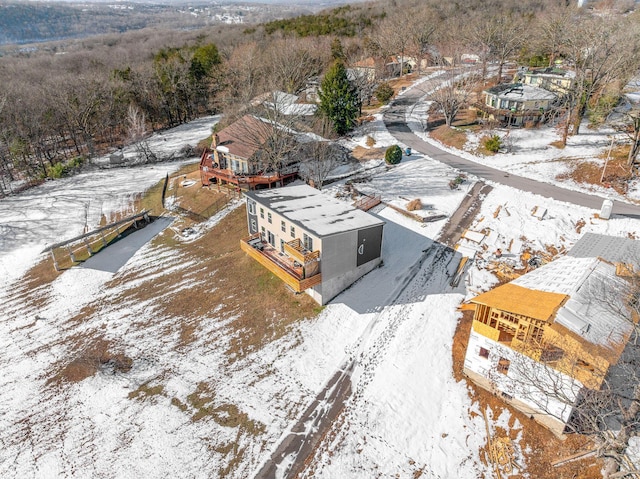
point(311, 241)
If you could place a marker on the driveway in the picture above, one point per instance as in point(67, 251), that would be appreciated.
point(396, 123)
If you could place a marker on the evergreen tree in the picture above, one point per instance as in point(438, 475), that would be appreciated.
point(339, 100)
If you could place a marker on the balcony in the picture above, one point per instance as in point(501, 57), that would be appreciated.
point(298, 268)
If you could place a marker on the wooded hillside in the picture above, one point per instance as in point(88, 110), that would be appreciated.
point(69, 100)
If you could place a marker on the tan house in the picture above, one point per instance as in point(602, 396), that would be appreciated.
point(516, 103)
point(311, 241)
point(543, 333)
point(235, 157)
point(553, 79)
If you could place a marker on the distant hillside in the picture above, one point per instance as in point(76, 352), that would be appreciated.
point(35, 22)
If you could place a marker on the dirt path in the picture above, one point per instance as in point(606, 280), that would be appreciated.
point(461, 219)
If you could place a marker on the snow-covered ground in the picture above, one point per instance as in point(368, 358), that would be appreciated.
point(407, 414)
point(529, 152)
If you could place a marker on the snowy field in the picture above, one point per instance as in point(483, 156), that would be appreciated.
point(407, 415)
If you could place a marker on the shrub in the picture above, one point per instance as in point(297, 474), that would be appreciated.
point(370, 141)
point(56, 171)
point(414, 205)
point(393, 155)
point(384, 92)
point(76, 162)
point(493, 143)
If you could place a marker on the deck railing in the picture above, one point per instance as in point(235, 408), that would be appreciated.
point(256, 249)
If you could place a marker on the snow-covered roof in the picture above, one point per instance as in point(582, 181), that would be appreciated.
point(551, 72)
point(521, 92)
point(584, 313)
point(610, 248)
point(314, 211)
point(287, 104)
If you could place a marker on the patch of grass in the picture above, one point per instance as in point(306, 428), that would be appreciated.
point(34, 280)
point(364, 154)
point(92, 355)
point(450, 136)
point(616, 174)
point(202, 402)
point(145, 391)
point(179, 404)
point(229, 282)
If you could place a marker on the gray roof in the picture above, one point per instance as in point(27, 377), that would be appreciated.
point(520, 92)
point(314, 211)
point(614, 249)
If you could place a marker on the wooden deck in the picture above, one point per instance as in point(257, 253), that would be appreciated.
point(367, 202)
point(283, 266)
point(246, 181)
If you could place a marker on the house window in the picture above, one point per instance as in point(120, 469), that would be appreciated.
point(262, 213)
point(503, 366)
point(308, 242)
point(254, 226)
point(269, 217)
point(283, 226)
point(484, 353)
point(252, 207)
point(263, 233)
point(293, 232)
point(271, 238)
point(282, 246)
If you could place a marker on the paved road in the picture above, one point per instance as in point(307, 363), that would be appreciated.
point(395, 121)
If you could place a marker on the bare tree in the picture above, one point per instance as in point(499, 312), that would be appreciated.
point(604, 50)
point(627, 121)
point(292, 61)
point(603, 397)
point(423, 29)
point(453, 94)
point(393, 37)
point(321, 158)
point(552, 31)
point(137, 134)
point(511, 34)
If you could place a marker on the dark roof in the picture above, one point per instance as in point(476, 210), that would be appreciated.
point(244, 137)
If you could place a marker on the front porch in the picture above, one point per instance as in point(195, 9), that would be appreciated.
point(298, 268)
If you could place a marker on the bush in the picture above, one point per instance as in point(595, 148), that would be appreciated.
point(370, 141)
point(56, 171)
point(384, 92)
point(493, 143)
point(393, 155)
point(76, 162)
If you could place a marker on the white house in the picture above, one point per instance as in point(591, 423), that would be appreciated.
point(312, 241)
point(541, 340)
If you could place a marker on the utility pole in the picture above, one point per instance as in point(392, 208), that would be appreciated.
point(613, 138)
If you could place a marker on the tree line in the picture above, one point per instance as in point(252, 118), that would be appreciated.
point(87, 96)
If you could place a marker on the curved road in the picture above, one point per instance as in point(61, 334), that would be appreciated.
point(396, 123)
